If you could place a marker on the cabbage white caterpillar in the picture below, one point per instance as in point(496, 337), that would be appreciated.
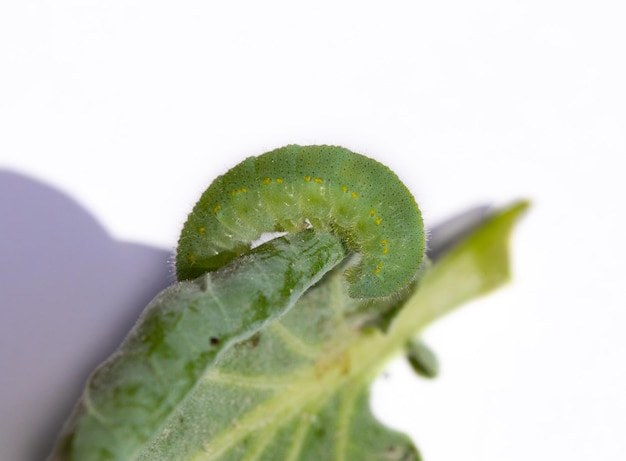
point(328, 188)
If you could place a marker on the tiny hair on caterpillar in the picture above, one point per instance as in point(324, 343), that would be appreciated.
point(328, 188)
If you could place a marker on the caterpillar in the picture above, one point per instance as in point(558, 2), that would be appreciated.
point(328, 188)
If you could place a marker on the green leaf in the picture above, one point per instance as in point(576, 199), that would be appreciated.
point(286, 384)
point(180, 336)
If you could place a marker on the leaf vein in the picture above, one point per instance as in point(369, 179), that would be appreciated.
point(255, 382)
point(298, 439)
point(293, 343)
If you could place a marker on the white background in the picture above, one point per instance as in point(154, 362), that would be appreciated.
point(132, 108)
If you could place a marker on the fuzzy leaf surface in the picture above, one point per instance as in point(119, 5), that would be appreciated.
point(296, 387)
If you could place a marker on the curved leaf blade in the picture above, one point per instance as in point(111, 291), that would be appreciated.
point(296, 387)
point(179, 337)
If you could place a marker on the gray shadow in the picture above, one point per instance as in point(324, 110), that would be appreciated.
point(444, 236)
point(69, 293)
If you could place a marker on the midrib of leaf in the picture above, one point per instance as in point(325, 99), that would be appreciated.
point(475, 267)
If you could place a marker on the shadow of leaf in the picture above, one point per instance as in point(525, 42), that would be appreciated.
point(68, 295)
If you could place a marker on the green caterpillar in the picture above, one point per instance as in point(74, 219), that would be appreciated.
point(328, 188)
